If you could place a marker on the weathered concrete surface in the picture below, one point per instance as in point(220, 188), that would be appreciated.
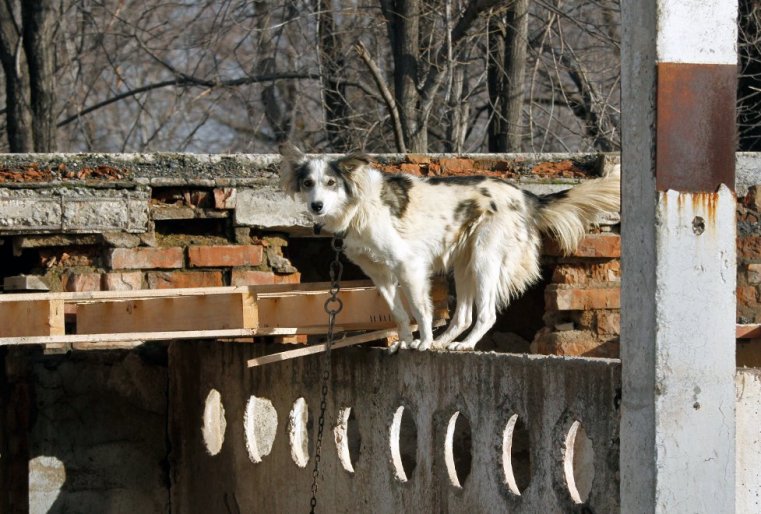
point(268, 207)
point(748, 458)
point(98, 437)
point(546, 393)
point(72, 210)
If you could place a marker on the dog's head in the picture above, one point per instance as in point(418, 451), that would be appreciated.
point(327, 187)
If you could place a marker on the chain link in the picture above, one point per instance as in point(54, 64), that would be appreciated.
point(333, 305)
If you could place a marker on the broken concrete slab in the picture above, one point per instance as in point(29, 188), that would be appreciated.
point(72, 210)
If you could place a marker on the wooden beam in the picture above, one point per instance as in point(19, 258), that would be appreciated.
point(266, 289)
point(20, 318)
point(200, 312)
point(749, 331)
point(320, 348)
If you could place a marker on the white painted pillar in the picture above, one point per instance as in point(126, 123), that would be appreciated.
point(678, 225)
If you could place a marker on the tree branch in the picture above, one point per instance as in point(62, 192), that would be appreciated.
point(385, 93)
point(188, 81)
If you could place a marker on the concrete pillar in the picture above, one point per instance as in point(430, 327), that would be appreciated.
point(678, 292)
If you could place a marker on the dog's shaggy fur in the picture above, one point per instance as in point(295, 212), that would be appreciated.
point(402, 229)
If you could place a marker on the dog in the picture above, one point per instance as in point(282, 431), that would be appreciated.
point(402, 229)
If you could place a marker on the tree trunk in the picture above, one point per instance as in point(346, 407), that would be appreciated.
point(334, 89)
point(38, 22)
point(17, 114)
point(508, 36)
point(403, 21)
point(277, 96)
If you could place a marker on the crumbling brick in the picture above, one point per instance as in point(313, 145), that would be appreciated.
point(573, 343)
point(254, 278)
point(225, 197)
point(124, 281)
point(146, 258)
point(225, 255)
point(749, 248)
point(604, 245)
point(575, 299)
point(184, 279)
point(80, 281)
point(584, 273)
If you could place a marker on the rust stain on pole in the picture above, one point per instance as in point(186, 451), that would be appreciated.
point(696, 127)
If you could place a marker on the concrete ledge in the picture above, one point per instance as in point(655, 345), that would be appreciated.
point(72, 210)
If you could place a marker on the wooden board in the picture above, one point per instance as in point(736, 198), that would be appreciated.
point(44, 317)
point(200, 312)
point(363, 308)
point(748, 331)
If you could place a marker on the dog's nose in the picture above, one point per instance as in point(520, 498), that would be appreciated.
point(317, 207)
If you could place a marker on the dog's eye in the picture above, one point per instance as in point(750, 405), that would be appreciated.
point(331, 182)
point(308, 182)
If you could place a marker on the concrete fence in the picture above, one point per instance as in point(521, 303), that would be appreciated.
point(429, 432)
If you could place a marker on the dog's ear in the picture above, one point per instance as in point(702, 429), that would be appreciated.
point(351, 162)
point(292, 158)
point(347, 166)
point(290, 153)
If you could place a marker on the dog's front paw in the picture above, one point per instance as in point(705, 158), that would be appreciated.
point(396, 346)
point(423, 346)
point(460, 347)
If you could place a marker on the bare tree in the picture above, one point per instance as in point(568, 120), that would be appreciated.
point(17, 112)
point(237, 75)
point(508, 35)
point(38, 27)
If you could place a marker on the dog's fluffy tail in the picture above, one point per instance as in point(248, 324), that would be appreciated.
point(566, 215)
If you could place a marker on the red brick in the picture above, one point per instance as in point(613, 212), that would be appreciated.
point(418, 158)
point(79, 282)
point(146, 258)
point(122, 281)
point(412, 169)
point(749, 247)
point(608, 323)
point(225, 197)
point(225, 255)
point(747, 295)
point(573, 342)
point(582, 299)
point(753, 274)
point(587, 272)
point(257, 278)
point(603, 245)
point(454, 165)
point(184, 279)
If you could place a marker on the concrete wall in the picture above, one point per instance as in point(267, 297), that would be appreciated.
point(94, 435)
point(547, 394)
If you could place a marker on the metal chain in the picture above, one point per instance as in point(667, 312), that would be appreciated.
point(333, 306)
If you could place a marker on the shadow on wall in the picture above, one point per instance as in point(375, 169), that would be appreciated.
point(97, 436)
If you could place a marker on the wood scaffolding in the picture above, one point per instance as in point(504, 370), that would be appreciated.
point(194, 313)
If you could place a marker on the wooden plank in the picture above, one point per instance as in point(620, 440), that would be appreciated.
point(22, 318)
point(322, 347)
point(83, 296)
point(748, 331)
point(363, 308)
point(202, 312)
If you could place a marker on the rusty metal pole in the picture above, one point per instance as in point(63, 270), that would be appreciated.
point(678, 292)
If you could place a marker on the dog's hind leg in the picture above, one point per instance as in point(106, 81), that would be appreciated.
point(486, 271)
point(463, 314)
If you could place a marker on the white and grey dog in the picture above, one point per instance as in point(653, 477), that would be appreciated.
point(402, 229)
